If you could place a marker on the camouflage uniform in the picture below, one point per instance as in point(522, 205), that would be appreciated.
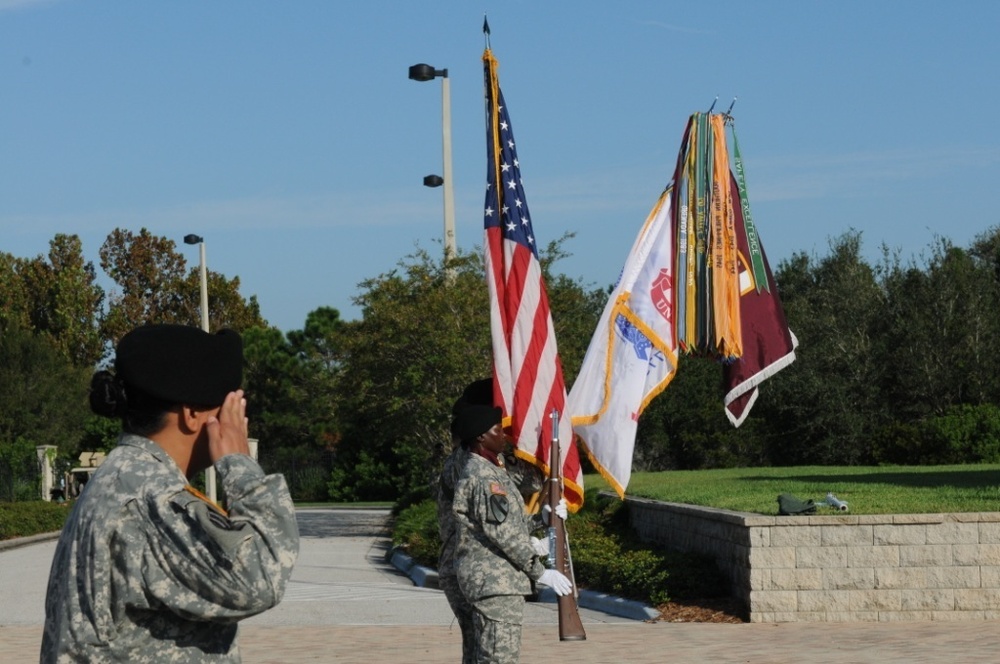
point(495, 560)
point(526, 475)
point(447, 526)
point(148, 571)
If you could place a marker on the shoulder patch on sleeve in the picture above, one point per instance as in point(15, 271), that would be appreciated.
point(496, 489)
point(499, 508)
point(213, 521)
point(226, 534)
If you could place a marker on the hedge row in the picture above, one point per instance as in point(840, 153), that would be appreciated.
point(22, 519)
point(607, 555)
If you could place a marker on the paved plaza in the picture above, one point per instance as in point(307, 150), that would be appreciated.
point(345, 603)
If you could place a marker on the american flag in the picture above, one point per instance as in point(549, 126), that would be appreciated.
point(528, 379)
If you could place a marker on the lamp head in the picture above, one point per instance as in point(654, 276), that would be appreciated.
point(191, 238)
point(424, 72)
point(433, 181)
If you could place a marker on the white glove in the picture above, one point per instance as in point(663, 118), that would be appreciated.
point(561, 512)
point(541, 546)
point(557, 581)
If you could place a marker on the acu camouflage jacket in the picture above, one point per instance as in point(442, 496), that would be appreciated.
point(147, 571)
point(494, 555)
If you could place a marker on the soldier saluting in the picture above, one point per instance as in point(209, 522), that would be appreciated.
point(146, 568)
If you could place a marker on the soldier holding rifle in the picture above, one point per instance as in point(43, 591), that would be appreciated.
point(496, 558)
point(529, 481)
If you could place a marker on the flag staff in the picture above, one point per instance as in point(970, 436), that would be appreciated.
point(486, 30)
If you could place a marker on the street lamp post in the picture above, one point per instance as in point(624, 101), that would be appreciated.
point(191, 238)
point(422, 72)
point(197, 239)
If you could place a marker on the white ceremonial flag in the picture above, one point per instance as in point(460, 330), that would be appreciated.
point(633, 354)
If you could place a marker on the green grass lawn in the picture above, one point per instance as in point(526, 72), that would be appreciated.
point(867, 490)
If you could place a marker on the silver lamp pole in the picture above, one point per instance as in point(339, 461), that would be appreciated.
point(423, 72)
point(210, 489)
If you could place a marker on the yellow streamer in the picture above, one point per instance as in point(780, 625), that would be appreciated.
point(725, 273)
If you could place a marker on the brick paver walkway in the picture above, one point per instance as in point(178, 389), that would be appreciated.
point(641, 643)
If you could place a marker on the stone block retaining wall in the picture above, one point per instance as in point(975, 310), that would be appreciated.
point(841, 568)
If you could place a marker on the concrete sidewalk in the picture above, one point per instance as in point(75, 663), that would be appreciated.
point(347, 604)
point(343, 577)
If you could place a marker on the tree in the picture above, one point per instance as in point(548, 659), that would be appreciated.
point(985, 251)
point(155, 288)
point(227, 308)
point(293, 399)
point(291, 407)
point(827, 404)
point(686, 428)
point(14, 307)
point(57, 298)
point(144, 267)
point(423, 336)
point(76, 302)
point(941, 332)
point(321, 337)
point(43, 398)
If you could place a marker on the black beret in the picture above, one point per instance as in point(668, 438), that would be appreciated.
point(181, 364)
point(479, 393)
point(475, 419)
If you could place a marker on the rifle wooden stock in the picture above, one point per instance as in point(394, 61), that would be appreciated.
point(570, 625)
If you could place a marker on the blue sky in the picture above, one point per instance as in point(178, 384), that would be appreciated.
point(288, 135)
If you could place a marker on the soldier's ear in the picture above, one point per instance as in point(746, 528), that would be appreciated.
point(188, 419)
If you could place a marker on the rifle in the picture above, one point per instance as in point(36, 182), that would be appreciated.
point(570, 626)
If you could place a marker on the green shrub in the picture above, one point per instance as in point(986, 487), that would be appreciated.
point(967, 434)
point(962, 434)
point(416, 531)
point(22, 519)
point(607, 555)
point(366, 478)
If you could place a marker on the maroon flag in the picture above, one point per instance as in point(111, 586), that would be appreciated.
point(768, 344)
